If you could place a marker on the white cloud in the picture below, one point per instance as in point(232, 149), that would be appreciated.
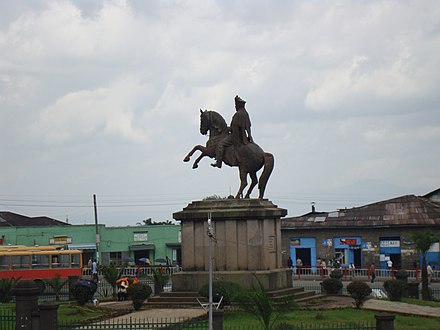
point(340, 92)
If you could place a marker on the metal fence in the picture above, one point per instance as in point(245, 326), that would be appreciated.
point(137, 324)
point(7, 322)
point(316, 287)
point(324, 326)
point(316, 273)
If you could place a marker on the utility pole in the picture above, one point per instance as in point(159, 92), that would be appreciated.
point(210, 237)
point(98, 239)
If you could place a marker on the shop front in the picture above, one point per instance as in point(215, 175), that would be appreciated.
point(348, 250)
point(304, 249)
point(389, 249)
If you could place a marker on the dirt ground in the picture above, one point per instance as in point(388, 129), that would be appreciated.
point(329, 302)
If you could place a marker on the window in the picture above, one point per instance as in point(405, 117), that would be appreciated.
point(40, 261)
point(116, 257)
point(4, 262)
point(21, 262)
point(63, 260)
point(75, 260)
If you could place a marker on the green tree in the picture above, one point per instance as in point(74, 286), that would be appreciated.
point(57, 284)
point(359, 291)
point(160, 279)
point(111, 274)
point(258, 303)
point(423, 241)
point(6, 285)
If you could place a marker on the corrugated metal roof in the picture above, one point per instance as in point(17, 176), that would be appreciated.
point(10, 219)
point(407, 210)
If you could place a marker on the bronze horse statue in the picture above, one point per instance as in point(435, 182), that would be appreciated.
point(249, 158)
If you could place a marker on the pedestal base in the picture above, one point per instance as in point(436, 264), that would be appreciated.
point(271, 280)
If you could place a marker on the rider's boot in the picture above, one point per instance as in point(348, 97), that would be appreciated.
point(218, 164)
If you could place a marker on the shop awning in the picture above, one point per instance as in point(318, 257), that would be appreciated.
point(139, 247)
point(82, 246)
point(173, 245)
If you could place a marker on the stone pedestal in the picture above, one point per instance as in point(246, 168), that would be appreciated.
point(247, 243)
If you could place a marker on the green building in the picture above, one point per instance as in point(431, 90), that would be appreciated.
point(113, 244)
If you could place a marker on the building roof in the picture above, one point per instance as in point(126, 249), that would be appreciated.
point(10, 219)
point(405, 211)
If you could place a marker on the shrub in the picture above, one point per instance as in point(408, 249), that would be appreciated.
point(331, 286)
point(336, 274)
point(359, 291)
point(229, 291)
point(401, 275)
point(395, 289)
point(138, 293)
point(6, 285)
point(84, 291)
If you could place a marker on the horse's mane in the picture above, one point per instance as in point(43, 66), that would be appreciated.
point(217, 121)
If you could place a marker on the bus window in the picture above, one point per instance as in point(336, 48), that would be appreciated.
point(40, 261)
point(75, 260)
point(4, 262)
point(54, 261)
point(21, 262)
point(64, 260)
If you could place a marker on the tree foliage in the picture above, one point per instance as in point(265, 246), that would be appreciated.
point(258, 303)
point(111, 274)
point(57, 284)
point(423, 241)
point(359, 291)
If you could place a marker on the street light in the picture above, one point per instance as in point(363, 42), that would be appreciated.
point(210, 237)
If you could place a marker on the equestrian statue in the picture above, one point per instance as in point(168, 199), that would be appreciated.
point(234, 146)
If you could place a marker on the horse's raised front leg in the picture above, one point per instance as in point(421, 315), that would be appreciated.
point(254, 182)
point(202, 149)
point(243, 184)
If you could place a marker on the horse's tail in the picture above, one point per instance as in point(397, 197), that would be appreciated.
point(269, 162)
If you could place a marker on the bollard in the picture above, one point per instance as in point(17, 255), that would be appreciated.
point(217, 319)
point(49, 316)
point(26, 302)
point(384, 321)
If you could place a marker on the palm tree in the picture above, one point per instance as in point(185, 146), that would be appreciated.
point(423, 242)
point(56, 283)
point(111, 274)
point(258, 303)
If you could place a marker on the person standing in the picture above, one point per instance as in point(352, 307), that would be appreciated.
point(390, 264)
point(351, 269)
point(430, 272)
point(373, 272)
point(323, 267)
point(289, 263)
point(95, 271)
point(89, 265)
point(299, 265)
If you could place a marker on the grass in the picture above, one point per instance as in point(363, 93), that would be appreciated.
point(70, 312)
point(348, 316)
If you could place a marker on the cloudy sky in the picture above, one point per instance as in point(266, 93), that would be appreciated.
point(103, 97)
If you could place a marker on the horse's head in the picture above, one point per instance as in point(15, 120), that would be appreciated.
point(211, 121)
point(205, 122)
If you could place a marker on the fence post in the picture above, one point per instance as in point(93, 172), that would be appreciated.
point(48, 316)
point(26, 302)
point(217, 319)
point(384, 321)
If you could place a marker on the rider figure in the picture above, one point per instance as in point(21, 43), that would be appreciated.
point(240, 131)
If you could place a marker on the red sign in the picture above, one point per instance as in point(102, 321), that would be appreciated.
point(348, 241)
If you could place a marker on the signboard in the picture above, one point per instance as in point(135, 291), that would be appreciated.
point(347, 241)
point(60, 240)
point(295, 242)
point(140, 237)
point(390, 244)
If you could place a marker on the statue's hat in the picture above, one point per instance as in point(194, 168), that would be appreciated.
point(239, 100)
